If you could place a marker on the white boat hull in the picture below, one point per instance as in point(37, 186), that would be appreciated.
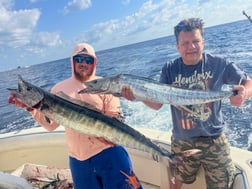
point(37, 146)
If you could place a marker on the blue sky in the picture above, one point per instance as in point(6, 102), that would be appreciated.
point(38, 31)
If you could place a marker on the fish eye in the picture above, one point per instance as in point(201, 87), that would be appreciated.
point(28, 88)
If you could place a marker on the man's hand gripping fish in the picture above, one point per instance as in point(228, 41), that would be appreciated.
point(151, 90)
point(90, 121)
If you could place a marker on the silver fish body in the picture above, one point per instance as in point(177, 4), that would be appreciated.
point(151, 90)
point(89, 121)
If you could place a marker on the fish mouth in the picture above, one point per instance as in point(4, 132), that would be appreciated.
point(19, 89)
point(27, 93)
point(14, 90)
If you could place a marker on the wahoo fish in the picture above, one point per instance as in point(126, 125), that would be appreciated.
point(151, 90)
point(90, 121)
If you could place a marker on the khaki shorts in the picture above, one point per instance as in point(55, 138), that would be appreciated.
point(215, 159)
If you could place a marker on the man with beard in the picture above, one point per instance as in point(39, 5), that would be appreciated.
point(94, 162)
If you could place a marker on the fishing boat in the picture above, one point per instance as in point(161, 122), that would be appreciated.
point(38, 155)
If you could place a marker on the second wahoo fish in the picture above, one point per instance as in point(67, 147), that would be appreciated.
point(151, 90)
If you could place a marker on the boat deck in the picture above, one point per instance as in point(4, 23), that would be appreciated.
point(37, 146)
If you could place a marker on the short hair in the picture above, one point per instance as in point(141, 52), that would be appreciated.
point(189, 25)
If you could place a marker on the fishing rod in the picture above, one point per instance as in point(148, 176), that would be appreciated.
point(249, 18)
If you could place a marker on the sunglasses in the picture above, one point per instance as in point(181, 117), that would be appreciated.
point(80, 59)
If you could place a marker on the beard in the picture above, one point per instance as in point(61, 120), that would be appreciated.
point(82, 76)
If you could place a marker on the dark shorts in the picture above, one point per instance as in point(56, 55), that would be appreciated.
point(111, 169)
point(215, 159)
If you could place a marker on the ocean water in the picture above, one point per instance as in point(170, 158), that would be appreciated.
point(232, 40)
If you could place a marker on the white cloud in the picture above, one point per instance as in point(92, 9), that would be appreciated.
point(17, 26)
point(74, 5)
point(6, 3)
point(46, 39)
point(118, 28)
